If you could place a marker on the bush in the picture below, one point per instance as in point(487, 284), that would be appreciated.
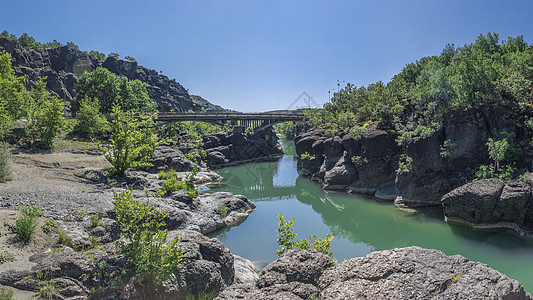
point(132, 142)
point(26, 223)
point(286, 238)
point(6, 294)
point(90, 121)
point(6, 170)
point(173, 183)
point(148, 252)
point(45, 116)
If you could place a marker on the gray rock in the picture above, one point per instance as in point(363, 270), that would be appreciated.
point(340, 176)
point(244, 271)
point(473, 202)
point(416, 273)
point(168, 158)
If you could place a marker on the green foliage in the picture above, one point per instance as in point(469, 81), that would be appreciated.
point(285, 234)
point(447, 148)
point(286, 238)
point(6, 294)
point(194, 131)
point(524, 177)
point(98, 55)
point(249, 131)
point(132, 142)
point(497, 151)
point(90, 121)
point(288, 129)
point(63, 239)
point(47, 290)
point(173, 183)
point(111, 89)
point(484, 172)
point(191, 157)
point(405, 164)
point(13, 95)
point(222, 210)
point(306, 156)
point(6, 169)
point(113, 55)
point(26, 223)
point(45, 116)
point(4, 257)
point(467, 76)
point(129, 58)
point(48, 225)
point(147, 249)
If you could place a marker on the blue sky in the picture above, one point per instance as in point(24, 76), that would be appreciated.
point(261, 55)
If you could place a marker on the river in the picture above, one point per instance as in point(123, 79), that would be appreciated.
point(360, 224)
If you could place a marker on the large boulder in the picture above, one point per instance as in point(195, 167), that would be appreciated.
point(168, 158)
point(473, 203)
point(292, 276)
point(340, 176)
point(416, 273)
point(491, 203)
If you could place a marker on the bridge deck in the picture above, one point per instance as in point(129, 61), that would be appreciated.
point(227, 116)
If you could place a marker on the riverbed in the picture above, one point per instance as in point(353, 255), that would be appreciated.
point(360, 224)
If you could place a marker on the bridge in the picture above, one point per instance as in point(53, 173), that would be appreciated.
point(258, 121)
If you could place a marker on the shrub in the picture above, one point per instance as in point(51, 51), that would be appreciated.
point(306, 156)
point(6, 170)
point(26, 223)
point(286, 238)
point(63, 239)
point(222, 210)
point(6, 294)
point(47, 290)
point(48, 225)
point(90, 121)
point(148, 252)
point(132, 142)
point(45, 116)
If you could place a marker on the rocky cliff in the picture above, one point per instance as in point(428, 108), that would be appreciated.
point(62, 66)
point(370, 163)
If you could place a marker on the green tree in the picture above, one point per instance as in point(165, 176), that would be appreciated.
point(13, 95)
point(111, 89)
point(90, 121)
point(497, 151)
point(132, 142)
point(45, 116)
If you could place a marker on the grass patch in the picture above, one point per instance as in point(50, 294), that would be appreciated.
point(6, 294)
point(47, 290)
point(222, 210)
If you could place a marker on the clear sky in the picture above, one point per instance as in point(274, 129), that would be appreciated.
point(261, 55)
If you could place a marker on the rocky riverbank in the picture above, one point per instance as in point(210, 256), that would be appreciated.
point(74, 191)
point(406, 273)
point(370, 163)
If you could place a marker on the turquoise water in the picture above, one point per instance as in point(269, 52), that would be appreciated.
point(359, 223)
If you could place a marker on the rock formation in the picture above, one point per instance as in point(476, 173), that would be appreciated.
point(406, 273)
point(62, 66)
point(371, 163)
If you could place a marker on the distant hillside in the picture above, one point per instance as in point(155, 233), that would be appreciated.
point(61, 65)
